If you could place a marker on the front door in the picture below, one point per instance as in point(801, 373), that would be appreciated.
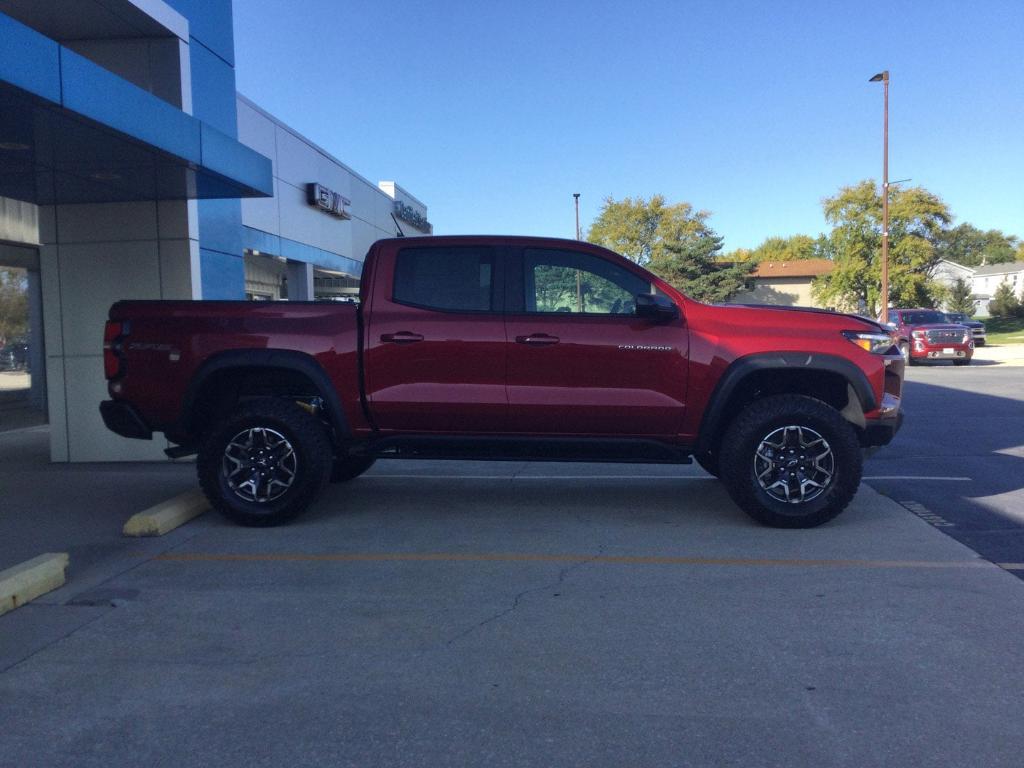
point(580, 362)
point(435, 343)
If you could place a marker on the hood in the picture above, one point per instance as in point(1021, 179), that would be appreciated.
point(936, 326)
point(874, 324)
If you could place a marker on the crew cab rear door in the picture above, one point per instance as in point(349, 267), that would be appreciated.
point(435, 340)
point(580, 362)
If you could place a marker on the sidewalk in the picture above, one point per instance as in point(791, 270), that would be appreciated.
point(1001, 354)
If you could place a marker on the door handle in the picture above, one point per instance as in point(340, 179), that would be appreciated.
point(402, 337)
point(537, 340)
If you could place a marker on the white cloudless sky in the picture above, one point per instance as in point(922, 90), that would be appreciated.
point(494, 113)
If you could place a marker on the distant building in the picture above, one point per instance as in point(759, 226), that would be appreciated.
point(948, 272)
point(987, 279)
point(785, 283)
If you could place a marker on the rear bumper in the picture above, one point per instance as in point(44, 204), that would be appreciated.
point(124, 420)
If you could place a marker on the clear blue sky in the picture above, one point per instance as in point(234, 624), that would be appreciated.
point(494, 113)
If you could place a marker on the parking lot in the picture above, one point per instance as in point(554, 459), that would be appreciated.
point(534, 614)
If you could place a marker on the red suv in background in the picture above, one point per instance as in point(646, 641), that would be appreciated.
point(925, 334)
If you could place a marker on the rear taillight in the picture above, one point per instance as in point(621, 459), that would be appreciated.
point(112, 348)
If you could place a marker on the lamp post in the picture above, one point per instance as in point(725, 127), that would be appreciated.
point(883, 77)
point(576, 197)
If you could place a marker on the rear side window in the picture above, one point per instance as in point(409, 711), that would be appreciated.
point(455, 279)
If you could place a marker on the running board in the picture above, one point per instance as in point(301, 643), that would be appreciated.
point(639, 451)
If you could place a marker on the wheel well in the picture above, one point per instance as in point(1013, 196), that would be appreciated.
point(828, 386)
point(225, 389)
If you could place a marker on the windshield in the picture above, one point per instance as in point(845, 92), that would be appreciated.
point(921, 318)
point(955, 317)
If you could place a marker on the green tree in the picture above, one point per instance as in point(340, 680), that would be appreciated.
point(13, 304)
point(916, 216)
point(966, 244)
point(1003, 303)
point(673, 241)
point(780, 249)
point(959, 297)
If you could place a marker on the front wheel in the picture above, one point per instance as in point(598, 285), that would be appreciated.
point(791, 461)
point(265, 463)
point(905, 351)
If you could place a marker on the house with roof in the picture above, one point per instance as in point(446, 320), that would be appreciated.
point(784, 283)
point(948, 272)
point(987, 278)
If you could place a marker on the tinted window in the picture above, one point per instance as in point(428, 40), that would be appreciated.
point(455, 279)
point(566, 281)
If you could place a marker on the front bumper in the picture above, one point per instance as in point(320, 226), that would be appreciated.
point(124, 420)
point(919, 351)
point(879, 432)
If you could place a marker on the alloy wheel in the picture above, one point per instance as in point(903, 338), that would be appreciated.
point(794, 464)
point(259, 464)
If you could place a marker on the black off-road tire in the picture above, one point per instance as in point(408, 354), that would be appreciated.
point(350, 467)
point(759, 420)
point(709, 463)
point(305, 434)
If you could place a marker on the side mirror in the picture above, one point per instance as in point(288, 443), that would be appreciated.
point(891, 326)
point(656, 308)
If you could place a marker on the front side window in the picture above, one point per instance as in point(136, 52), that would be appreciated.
point(454, 279)
point(567, 281)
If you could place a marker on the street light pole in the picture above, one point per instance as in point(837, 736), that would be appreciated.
point(576, 197)
point(884, 78)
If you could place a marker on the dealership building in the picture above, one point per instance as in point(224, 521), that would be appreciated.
point(130, 168)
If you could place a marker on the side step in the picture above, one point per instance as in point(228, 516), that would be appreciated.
point(486, 448)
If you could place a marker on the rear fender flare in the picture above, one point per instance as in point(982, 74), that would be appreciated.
point(285, 359)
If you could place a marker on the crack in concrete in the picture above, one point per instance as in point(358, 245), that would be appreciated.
point(563, 573)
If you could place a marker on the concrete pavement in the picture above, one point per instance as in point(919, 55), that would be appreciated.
point(516, 614)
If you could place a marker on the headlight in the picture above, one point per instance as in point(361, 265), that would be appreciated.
point(917, 334)
point(968, 335)
point(875, 343)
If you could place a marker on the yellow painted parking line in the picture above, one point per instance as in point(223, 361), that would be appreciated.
point(514, 557)
point(167, 515)
point(27, 581)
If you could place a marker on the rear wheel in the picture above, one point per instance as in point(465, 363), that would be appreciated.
point(791, 461)
point(265, 463)
point(350, 467)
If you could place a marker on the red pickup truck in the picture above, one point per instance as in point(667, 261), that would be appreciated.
point(926, 334)
point(505, 348)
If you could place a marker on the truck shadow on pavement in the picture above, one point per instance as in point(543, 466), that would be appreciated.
point(953, 432)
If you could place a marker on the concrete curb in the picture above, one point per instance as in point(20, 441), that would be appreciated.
point(167, 515)
point(27, 581)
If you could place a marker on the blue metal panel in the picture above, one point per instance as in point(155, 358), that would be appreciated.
point(101, 95)
point(225, 155)
point(28, 59)
point(264, 242)
point(210, 23)
point(213, 90)
point(220, 226)
point(258, 240)
point(222, 276)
